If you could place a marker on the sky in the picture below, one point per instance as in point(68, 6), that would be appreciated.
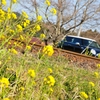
point(18, 8)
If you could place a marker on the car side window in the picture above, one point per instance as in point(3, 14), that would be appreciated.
point(77, 40)
point(86, 42)
point(69, 39)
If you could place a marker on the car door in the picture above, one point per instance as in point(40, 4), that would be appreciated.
point(77, 45)
point(68, 44)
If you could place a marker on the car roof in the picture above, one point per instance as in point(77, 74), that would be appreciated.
point(81, 37)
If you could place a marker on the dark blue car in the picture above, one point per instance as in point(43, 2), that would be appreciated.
point(80, 45)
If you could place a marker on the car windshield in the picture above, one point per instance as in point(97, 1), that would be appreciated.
point(94, 44)
point(91, 43)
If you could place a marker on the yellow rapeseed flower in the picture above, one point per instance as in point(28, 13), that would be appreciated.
point(9, 10)
point(53, 11)
point(11, 31)
point(39, 18)
point(24, 14)
point(96, 74)
point(3, 2)
point(19, 28)
point(28, 47)
point(37, 28)
point(14, 1)
point(22, 88)
point(9, 58)
point(15, 43)
point(2, 15)
point(51, 90)
point(47, 2)
point(98, 99)
point(84, 95)
point(6, 99)
point(10, 69)
point(27, 21)
point(21, 37)
point(13, 15)
point(2, 37)
point(50, 70)
point(8, 16)
point(13, 51)
point(4, 82)
point(42, 36)
point(48, 50)
point(98, 65)
point(34, 83)
point(51, 80)
point(91, 84)
point(24, 24)
point(31, 73)
point(45, 79)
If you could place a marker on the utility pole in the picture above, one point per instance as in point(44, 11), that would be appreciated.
point(79, 32)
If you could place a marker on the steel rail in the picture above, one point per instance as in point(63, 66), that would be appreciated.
point(81, 60)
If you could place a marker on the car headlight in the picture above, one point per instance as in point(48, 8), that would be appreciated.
point(93, 51)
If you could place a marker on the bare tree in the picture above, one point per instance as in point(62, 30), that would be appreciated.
point(70, 15)
point(73, 13)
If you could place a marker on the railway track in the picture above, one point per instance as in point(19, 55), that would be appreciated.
point(75, 58)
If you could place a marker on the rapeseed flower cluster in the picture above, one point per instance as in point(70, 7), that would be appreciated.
point(13, 15)
point(2, 37)
point(91, 84)
point(50, 80)
point(15, 43)
point(2, 16)
point(22, 89)
point(21, 37)
point(53, 11)
point(96, 74)
point(14, 1)
point(47, 2)
point(19, 28)
point(50, 70)
point(42, 36)
point(25, 23)
point(37, 28)
point(6, 99)
point(4, 82)
point(51, 90)
point(11, 31)
point(9, 10)
point(3, 2)
point(31, 73)
point(24, 14)
point(28, 47)
point(8, 16)
point(83, 95)
point(48, 50)
point(12, 50)
point(98, 65)
point(39, 18)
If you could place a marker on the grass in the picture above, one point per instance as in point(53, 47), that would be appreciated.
point(69, 80)
point(31, 76)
